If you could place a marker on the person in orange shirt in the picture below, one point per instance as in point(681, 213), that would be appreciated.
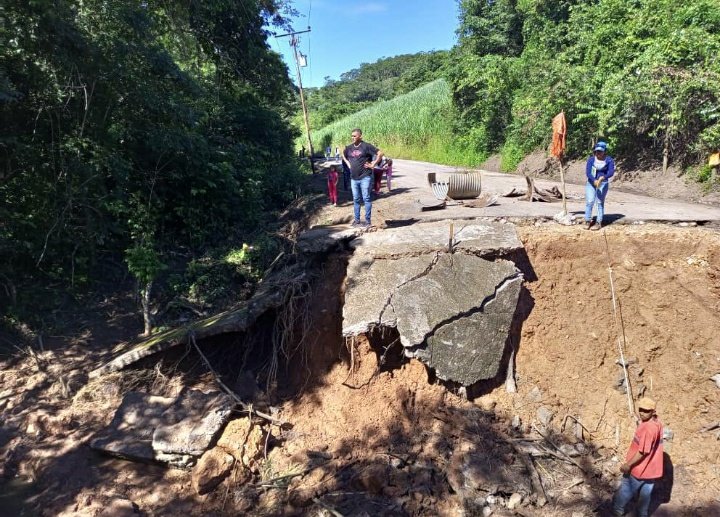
point(643, 465)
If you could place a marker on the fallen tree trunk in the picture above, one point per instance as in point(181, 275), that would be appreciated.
point(271, 295)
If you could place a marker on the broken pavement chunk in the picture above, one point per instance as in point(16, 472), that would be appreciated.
point(129, 435)
point(452, 311)
point(190, 424)
point(175, 431)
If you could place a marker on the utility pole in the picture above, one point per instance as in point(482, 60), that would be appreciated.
point(294, 44)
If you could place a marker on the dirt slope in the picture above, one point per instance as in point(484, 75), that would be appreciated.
point(374, 434)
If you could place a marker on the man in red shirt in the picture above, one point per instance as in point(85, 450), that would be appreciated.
point(644, 461)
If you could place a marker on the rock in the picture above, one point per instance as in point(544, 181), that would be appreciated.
point(129, 435)
point(640, 389)
point(235, 435)
point(620, 381)
point(487, 511)
point(545, 415)
point(486, 402)
point(668, 434)
point(212, 468)
point(628, 361)
point(177, 461)
point(244, 440)
point(37, 423)
point(516, 422)
point(254, 446)
point(480, 468)
point(535, 395)
point(192, 422)
point(716, 379)
point(514, 501)
point(177, 431)
point(564, 218)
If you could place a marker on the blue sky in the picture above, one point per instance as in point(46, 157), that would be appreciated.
point(347, 33)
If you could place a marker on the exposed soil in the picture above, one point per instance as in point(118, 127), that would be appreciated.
point(375, 434)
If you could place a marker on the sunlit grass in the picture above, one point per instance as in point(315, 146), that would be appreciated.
point(415, 126)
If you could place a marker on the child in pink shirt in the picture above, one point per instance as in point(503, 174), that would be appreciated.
point(388, 174)
point(332, 180)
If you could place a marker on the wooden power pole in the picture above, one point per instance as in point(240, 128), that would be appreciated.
point(294, 44)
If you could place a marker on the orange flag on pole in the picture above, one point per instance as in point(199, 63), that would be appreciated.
point(559, 128)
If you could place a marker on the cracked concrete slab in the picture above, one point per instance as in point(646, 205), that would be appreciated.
point(369, 290)
point(452, 311)
point(485, 239)
point(470, 349)
point(458, 284)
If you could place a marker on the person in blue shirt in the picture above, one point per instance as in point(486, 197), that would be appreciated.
point(599, 169)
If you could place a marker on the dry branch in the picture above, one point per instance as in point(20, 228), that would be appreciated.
point(245, 407)
point(534, 477)
point(561, 454)
point(710, 427)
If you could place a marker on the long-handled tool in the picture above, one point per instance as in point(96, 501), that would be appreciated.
point(619, 324)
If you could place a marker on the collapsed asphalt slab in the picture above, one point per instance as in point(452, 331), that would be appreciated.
point(451, 300)
point(175, 431)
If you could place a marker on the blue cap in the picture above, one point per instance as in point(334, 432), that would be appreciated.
point(600, 146)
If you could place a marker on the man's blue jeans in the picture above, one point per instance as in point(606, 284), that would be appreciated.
point(591, 196)
point(361, 191)
point(629, 488)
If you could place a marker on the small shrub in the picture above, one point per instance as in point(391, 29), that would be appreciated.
point(511, 154)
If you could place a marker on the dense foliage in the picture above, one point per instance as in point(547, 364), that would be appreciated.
point(133, 128)
point(644, 74)
point(372, 82)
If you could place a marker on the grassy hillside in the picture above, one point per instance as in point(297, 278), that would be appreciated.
point(416, 125)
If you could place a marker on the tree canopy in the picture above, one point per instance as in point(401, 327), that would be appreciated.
point(135, 127)
point(645, 74)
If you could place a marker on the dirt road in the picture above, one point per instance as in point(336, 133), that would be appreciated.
point(410, 183)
